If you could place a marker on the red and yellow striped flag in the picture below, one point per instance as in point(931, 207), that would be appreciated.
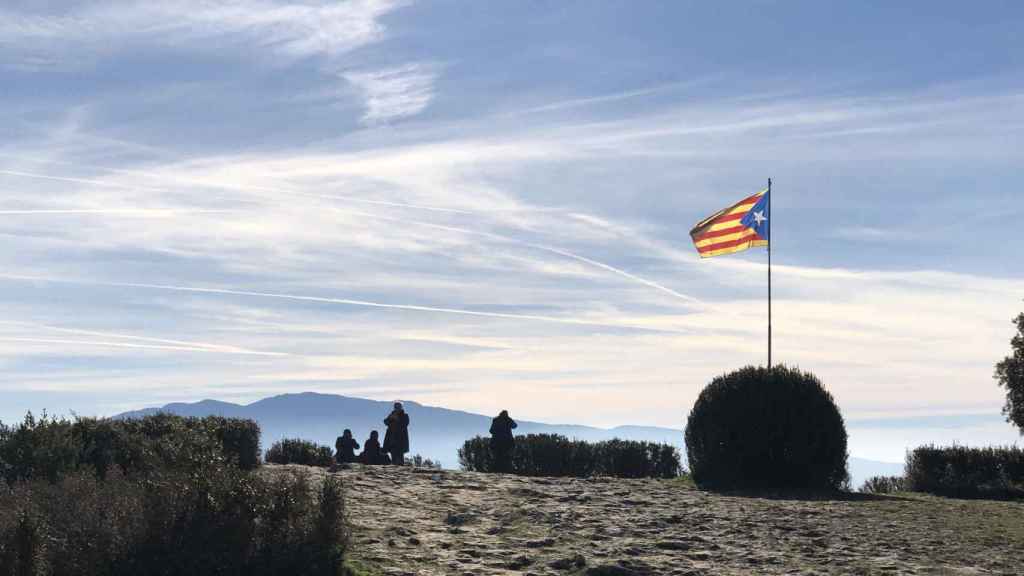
point(738, 227)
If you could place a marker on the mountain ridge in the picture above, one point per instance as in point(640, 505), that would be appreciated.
point(322, 408)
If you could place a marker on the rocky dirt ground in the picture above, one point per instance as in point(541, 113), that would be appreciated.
point(416, 521)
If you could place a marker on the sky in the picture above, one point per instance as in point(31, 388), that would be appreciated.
point(485, 205)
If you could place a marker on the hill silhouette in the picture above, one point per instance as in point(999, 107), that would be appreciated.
point(435, 433)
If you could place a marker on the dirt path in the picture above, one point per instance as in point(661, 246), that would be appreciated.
point(416, 522)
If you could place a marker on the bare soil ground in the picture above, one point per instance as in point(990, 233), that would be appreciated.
point(416, 521)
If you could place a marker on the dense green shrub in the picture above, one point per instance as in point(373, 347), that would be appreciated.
point(883, 485)
point(552, 455)
point(296, 451)
point(159, 495)
point(631, 459)
point(239, 438)
point(475, 455)
point(556, 455)
point(780, 431)
point(51, 448)
point(216, 520)
point(38, 448)
point(962, 472)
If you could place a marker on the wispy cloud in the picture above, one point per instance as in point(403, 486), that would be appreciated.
point(394, 93)
point(42, 335)
point(116, 344)
point(277, 32)
point(606, 323)
point(142, 212)
point(494, 263)
point(284, 29)
point(571, 103)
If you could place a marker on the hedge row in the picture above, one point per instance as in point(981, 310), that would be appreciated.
point(216, 520)
point(963, 472)
point(556, 455)
point(50, 448)
point(296, 451)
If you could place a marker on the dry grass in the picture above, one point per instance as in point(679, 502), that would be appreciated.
point(425, 522)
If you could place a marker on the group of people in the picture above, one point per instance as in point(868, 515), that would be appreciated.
point(396, 442)
point(394, 449)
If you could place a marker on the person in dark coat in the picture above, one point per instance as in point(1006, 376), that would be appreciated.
point(345, 447)
point(502, 441)
point(396, 439)
point(371, 450)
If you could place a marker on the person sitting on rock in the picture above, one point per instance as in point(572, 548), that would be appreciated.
point(371, 450)
point(502, 441)
point(396, 439)
point(345, 448)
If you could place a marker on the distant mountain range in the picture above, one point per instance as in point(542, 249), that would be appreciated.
point(434, 432)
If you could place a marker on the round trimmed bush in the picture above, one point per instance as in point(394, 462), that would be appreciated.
point(755, 430)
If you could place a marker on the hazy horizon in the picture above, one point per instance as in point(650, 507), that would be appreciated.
point(484, 206)
point(952, 429)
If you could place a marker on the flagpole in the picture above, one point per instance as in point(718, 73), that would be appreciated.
point(769, 275)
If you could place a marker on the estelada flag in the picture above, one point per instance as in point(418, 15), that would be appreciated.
point(736, 228)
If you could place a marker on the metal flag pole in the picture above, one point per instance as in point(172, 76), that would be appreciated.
point(769, 275)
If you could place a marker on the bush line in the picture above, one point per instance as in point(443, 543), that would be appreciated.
point(51, 448)
point(557, 455)
point(962, 472)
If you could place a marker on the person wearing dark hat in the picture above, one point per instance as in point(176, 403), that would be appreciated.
point(502, 441)
point(396, 439)
point(345, 448)
point(371, 450)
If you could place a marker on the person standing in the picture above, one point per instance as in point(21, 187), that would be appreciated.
point(396, 439)
point(502, 441)
point(345, 448)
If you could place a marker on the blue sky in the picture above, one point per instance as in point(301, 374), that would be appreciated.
point(486, 205)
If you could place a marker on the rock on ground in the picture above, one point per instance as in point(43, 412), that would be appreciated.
point(415, 521)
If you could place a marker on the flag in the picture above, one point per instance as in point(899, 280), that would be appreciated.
point(736, 228)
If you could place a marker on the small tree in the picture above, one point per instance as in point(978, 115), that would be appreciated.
point(1010, 374)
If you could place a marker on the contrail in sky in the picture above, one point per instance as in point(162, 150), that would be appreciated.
point(361, 200)
point(164, 342)
point(500, 237)
point(618, 271)
point(225, 187)
point(116, 344)
point(233, 188)
point(542, 247)
point(352, 302)
point(81, 180)
point(156, 212)
point(191, 344)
